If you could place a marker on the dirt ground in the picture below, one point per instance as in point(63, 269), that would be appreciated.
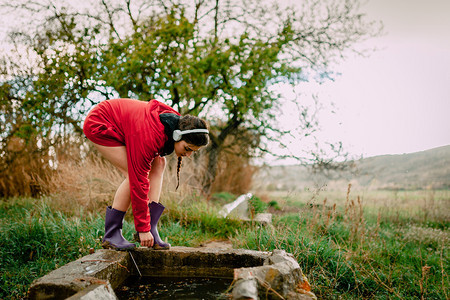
point(217, 244)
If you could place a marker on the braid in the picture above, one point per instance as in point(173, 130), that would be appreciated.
point(189, 122)
point(178, 171)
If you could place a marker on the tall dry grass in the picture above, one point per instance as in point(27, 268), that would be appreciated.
point(90, 182)
point(75, 175)
point(23, 166)
point(235, 174)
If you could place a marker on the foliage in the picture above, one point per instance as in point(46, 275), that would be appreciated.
point(222, 198)
point(202, 219)
point(256, 205)
point(216, 59)
point(43, 103)
point(274, 204)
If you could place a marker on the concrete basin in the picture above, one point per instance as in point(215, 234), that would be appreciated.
point(255, 274)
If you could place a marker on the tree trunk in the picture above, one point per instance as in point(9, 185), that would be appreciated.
point(216, 146)
point(211, 170)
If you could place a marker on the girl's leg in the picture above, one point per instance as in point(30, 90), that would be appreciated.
point(118, 157)
point(156, 178)
point(156, 209)
point(122, 199)
point(113, 237)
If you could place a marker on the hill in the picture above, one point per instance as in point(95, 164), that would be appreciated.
point(419, 170)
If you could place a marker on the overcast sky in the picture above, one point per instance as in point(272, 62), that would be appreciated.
point(398, 100)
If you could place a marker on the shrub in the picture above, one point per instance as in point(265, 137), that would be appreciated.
point(256, 205)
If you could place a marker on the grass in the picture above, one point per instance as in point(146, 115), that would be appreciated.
point(35, 240)
point(350, 250)
point(377, 245)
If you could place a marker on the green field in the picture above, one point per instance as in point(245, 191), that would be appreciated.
point(369, 244)
point(356, 245)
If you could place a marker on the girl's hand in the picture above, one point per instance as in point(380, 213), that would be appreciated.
point(146, 239)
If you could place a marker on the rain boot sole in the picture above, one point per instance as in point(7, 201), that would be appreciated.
point(158, 247)
point(108, 245)
point(155, 245)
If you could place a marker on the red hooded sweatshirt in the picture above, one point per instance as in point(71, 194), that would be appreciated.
point(136, 125)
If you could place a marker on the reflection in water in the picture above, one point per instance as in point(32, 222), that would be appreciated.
point(135, 287)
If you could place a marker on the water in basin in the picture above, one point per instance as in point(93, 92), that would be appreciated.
point(135, 287)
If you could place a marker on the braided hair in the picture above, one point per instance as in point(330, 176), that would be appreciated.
point(189, 122)
point(178, 171)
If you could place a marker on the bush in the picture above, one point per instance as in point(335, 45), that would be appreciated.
point(256, 205)
point(223, 198)
point(274, 204)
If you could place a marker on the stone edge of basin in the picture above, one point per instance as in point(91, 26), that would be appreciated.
point(96, 275)
point(280, 277)
point(102, 268)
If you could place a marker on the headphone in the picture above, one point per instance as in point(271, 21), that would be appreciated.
point(178, 133)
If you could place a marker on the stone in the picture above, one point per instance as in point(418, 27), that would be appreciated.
point(223, 245)
point(101, 268)
point(280, 276)
point(256, 274)
point(279, 256)
point(96, 292)
point(199, 262)
point(238, 208)
point(245, 289)
point(298, 296)
point(263, 218)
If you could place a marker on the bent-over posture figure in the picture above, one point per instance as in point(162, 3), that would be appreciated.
point(135, 136)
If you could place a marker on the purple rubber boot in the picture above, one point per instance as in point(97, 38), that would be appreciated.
point(156, 209)
point(113, 238)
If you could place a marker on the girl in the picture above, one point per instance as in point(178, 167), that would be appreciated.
point(135, 136)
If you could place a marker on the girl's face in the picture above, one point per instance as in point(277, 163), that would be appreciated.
point(184, 149)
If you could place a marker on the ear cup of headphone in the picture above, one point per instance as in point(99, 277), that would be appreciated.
point(177, 135)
